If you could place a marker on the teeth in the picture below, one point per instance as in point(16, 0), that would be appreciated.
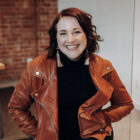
point(72, 47)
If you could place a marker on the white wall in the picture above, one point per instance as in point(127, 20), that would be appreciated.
point(114, 21)
point(136, 57)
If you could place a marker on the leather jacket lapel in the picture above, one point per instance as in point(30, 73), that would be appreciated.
point(47, 94)
point(104, 88)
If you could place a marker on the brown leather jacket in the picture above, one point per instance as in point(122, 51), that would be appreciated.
point(38, 84)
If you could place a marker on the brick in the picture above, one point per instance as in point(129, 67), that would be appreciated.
point(23, 32)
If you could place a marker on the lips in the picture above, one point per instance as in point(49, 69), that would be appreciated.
point(72, 47)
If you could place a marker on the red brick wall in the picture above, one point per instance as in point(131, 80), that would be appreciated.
point(46, 10)
point(23, 32)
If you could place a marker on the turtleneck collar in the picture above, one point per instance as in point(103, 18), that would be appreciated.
point(68, 62)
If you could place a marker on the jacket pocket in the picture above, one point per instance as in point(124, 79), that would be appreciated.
point(37, 82)
point(92, 122)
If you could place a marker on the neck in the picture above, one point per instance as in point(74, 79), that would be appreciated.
point(67, 61)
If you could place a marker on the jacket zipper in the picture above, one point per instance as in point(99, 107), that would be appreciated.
point(49, 117)
point(84, 112)
point(48, 111)
point(99, 120)
point(103, 126)
point(102, 129)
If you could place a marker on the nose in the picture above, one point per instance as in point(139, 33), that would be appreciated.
point(71, 38)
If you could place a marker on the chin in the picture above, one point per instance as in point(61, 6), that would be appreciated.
point(73, 57)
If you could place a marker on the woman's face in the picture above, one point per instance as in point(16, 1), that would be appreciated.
point(71, 38)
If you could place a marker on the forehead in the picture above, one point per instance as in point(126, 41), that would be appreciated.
point(67, 23)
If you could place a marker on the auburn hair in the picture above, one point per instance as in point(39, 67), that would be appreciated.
point(85, 21)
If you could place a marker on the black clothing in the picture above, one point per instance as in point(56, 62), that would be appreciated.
point(75, 86)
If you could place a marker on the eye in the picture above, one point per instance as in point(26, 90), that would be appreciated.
point(77, 32)
point(62, 33)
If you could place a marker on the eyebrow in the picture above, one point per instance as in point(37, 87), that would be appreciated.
point(64, 30)
point(77, 28)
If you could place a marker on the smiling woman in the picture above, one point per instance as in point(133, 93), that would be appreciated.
point(70, 85)
point(71, 38)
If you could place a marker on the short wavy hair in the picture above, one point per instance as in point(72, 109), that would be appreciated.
point(85, 21)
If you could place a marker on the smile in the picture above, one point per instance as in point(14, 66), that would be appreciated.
point(72, 47)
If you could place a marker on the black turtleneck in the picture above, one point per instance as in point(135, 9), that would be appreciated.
point(75, 86)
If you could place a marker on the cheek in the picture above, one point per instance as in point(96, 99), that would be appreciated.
point(84, 40)
point(60, 42)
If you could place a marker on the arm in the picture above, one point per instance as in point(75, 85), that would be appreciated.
point(121, 103)
point(20, 103)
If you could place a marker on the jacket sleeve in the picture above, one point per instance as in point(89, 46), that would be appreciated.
point(121, 102)
point(20, 103)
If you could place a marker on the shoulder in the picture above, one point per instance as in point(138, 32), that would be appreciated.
point(37, 65)
point(101, 65)
point(38, 61)
point(100, 60)
point(42, 65)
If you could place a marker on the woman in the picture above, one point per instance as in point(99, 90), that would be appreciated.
point(69, 85)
